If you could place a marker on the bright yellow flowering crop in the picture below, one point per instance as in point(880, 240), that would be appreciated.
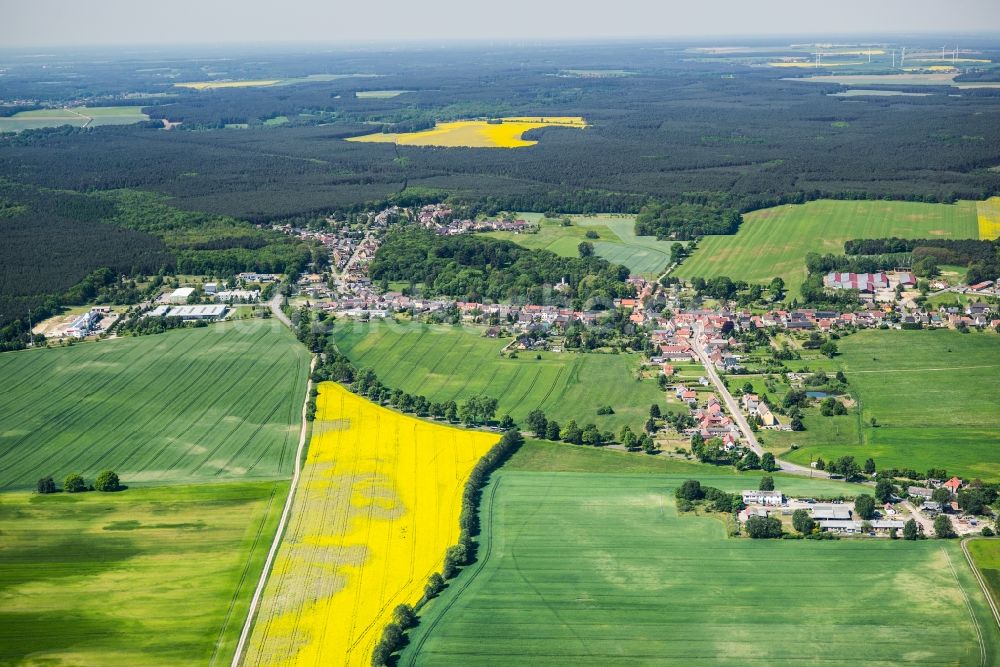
point(989, 218)
point(377, 506)
point(476, 133)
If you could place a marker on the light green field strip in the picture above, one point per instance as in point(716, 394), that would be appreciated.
point(774, 242)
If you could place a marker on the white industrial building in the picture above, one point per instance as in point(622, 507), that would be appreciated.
point(180, 295)
point(198, 312)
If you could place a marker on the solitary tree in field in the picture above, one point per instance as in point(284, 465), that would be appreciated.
point(46, 485)
point(107, 481)
point(654, 411)
point(586, 249)
point(766, 483)
point(74, 484)
point(767, 462)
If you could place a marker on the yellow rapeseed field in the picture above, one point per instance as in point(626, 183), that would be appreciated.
point(377, 506)
point(476, 133)
point(206, 85)
point(989, 218)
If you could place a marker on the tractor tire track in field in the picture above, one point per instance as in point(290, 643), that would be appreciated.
point(289, 419)
point(79, 410)
point(278, 533)
point(212, 371)
point(216, 368)
point(968, 604)
point(982, 582)
point(476, 570)
point(552, 386)
point(243, 575)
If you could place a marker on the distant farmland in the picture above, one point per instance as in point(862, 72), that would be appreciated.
point(589, 569)
point(199, 404)
point(774, 241)
point(452, 363)
point(76, 116)
point(475, 133)
point(617, 242)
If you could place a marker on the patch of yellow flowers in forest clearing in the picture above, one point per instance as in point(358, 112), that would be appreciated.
point(207, 85)
point(377, 507)
point(476, 133)
point(989, 218)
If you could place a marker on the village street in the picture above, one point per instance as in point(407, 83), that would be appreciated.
point(734, 410)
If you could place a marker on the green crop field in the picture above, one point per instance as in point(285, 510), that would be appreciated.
point(77, 116)
point(986, 555)
point(643, 255)
point(197, 404)
point(588, 569)
point(932, 393)
point(774, 242)
point(146, 576)
point(452, 363)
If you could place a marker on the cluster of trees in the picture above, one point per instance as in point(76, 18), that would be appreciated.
point(549, 429)
point(847, 467)
point(691, 493)
point(712, 451)
point(474, 411)
point(107, 481)
point(684, 220)
point(478, 268)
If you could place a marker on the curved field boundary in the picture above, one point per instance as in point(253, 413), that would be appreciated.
point(968, 605)
point(282, 523)
point(466, 578)
point(982, 582)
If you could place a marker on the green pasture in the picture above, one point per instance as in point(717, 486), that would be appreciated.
point(588, 569)
point(932, 394)
point(446, 363)
point(206, 404)
point(77, 116)
point(986, 556)
point(145, 576)
point(643, 255)
point(774, 241)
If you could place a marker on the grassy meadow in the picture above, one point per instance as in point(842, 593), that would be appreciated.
point(446, 363)
point(146, 576)
point(377, 508)
point(591, 569)
point(932, 393)
point(76, 116)
point(774, 241)
point(196, 404)
point(643, 255)
point(475, 133)
point(986, 555)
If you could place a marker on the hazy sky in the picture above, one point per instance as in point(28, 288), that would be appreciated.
point(29, 23)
